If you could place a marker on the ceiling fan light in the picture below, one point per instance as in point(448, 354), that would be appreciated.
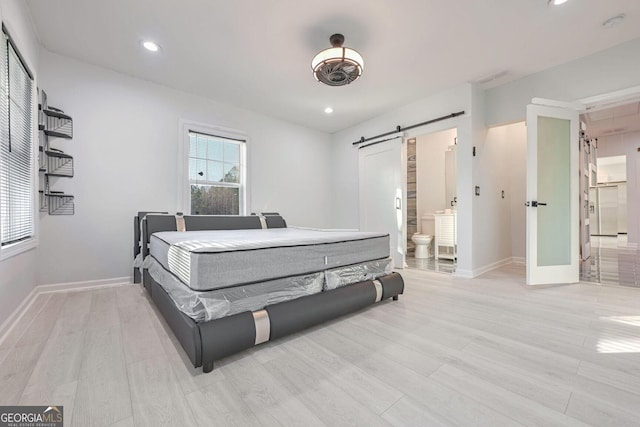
point(338, 65)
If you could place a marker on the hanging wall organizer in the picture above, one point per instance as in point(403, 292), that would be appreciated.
point(54, 163)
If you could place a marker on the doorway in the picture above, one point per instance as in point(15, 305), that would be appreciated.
point(431, 182)
point(615, 259)
point(614, 204)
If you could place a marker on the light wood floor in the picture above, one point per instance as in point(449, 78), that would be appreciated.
point(482, 352)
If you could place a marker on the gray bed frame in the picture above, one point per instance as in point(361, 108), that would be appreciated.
point(205, 342)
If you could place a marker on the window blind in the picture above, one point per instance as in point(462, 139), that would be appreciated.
point(16, 147)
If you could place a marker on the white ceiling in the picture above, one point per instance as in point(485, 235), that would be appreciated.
point(613, 121)
point(256, 54)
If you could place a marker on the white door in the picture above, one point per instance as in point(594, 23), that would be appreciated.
point(381, 193)
point(552, 195)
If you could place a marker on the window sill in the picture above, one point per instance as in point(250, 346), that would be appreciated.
point(17, 248)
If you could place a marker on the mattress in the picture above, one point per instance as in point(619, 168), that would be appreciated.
point(208, 260)
point(209, 305)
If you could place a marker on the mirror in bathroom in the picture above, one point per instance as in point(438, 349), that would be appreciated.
point(450, 181)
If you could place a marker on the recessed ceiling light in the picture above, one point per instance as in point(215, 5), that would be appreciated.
point(328, 110)
point(151, 46)
point(614, 21)
point(557, 2)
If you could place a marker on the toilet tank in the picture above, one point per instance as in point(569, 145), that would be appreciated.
point(427, 224)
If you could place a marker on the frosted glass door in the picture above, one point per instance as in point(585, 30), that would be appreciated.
point(552, 195)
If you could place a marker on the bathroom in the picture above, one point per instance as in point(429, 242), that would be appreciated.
point(431, 202)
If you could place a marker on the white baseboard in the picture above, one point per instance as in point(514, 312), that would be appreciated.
point(13, 319)
point(465, 274)
point(479, 271)
point(518, 260)
point(87, 284)
point(470, 274)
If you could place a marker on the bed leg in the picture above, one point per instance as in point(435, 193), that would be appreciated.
point(207, 367)
point(395, 298)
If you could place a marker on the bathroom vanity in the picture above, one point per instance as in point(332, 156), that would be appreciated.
point(446, 236)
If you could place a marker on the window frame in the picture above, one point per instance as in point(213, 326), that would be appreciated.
point(184, 191)
point(13, 249)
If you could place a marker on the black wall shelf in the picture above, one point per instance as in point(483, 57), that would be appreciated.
point(59, 164)
point(53, 163)
point(60, 203)
point(56, 123)
point(56, 134)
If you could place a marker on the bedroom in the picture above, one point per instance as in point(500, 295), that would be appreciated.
point(120, 120)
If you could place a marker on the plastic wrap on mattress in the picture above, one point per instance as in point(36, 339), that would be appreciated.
point(137, 262)
point(370, 270)
point(209, 305)
point(148, 261)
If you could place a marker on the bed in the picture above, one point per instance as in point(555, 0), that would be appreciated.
point(227, 283)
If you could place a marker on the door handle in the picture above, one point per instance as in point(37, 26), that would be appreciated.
point(535, 204)
point(398, 203)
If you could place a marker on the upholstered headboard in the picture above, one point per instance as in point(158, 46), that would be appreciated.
point(136, 240)
point(221, 222)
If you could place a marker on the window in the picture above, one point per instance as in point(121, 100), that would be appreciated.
point(216, 174)
point(16, 146)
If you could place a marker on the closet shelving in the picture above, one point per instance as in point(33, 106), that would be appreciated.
point(54, 163)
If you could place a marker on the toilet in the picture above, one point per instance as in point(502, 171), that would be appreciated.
point(423, 240)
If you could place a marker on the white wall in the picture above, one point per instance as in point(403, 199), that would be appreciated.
point(503, 164)
point(18, 273)
point(612, 169)
point(499, 224)
point(603, 72)
point(627, 144)
point(430, 185)
point(516, 135)
point(125, 146)
point(493, 225)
